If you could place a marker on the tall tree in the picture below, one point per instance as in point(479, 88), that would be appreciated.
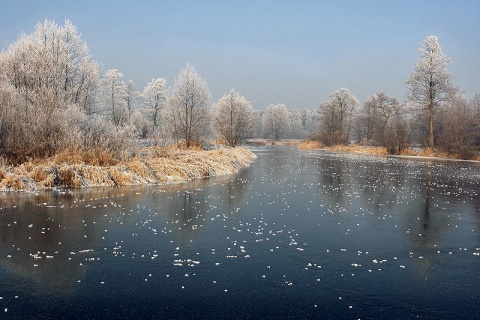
point(155, 95)
point(188, 106)
point(276, 121)
point(337, 113)
point(233, 118)
point(430, 84)
point(115, 92)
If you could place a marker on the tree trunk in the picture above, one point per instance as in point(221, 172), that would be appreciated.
point(430, 125)
point(384, 132)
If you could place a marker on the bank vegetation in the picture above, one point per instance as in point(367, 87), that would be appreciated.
point(152, 165)
point(308, 144)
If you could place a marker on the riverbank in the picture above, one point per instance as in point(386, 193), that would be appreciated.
point(152, 165)
point(354, 148)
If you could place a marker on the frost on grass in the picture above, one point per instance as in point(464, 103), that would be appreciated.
point(149, 167)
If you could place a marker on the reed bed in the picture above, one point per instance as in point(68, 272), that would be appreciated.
point(153, 165)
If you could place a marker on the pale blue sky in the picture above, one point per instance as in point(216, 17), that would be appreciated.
point(291, 52)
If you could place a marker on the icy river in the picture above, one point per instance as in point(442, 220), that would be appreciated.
point(299, 234)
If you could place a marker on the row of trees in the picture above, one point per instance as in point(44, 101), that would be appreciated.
point(435, 115)
point(53, 96)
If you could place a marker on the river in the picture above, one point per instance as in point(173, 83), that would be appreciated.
point(298, 234)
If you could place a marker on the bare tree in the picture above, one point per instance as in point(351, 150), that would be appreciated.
point(475, 106)
point(387, 109)
point(276, 121)
point(430, 82)
point(337, 113)
point(233, 118)
point(188, 106)
point(457, 129)
point(365, 121)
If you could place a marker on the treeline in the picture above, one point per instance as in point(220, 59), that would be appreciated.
point(54, 96)
point(436, 115)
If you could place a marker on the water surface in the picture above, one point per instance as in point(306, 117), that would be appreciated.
point(299, 234)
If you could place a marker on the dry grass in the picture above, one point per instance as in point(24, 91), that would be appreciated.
point(153, 165)
point(288, 142)
point(43, 176)
point(409, 152)
point(312, 144)
point(94, 157)
point(309, 145)
point(358, 149)
point(428, 152)
point(373, 150)
point(13, 182)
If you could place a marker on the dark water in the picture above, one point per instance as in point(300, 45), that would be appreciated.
point(297, 235)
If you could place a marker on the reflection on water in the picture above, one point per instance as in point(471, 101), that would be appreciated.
point(298, 234)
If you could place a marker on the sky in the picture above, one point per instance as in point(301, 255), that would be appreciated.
point(270, 51)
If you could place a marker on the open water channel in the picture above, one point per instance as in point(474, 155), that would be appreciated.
point(299, 234)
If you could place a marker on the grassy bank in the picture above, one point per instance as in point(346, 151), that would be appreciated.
point(153, 165)
point(428, 153)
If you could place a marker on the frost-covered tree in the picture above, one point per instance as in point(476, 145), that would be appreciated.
point(233, 118)
point(430, 84)
point(115, 96)
point(276, 121)
point(366, 120)
point(132, 97)
point(257, 118)
point(141, 124)
point(46, 78)
point(297, 124)
point(336, 117)
point(188, 106)
point(155, 95)
point(312, 121)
